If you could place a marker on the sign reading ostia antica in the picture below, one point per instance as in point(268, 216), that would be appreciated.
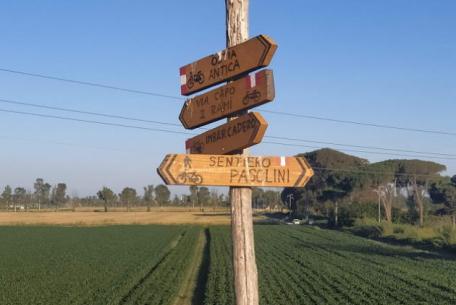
point(240, 133)
point(235, 170)
point(242, 94)
point(248, 56)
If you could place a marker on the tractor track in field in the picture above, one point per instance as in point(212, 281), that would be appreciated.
point(149, 273)
point(192, 290)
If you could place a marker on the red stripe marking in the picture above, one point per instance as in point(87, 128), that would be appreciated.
point(182, 70)
point(184, 89)
point(247, 82)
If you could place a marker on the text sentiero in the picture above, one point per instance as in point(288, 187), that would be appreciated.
point(251, 169)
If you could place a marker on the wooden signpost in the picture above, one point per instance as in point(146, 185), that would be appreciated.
point(235, 170)
point(217, 157)
point(239, 95)
point(240, 133)
point(240, 59)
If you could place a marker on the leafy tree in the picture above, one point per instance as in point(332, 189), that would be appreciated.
point(336, 176)
point(414, 176)
point(59, 194)
point(42, 190)
point(176, 201)
point(193, 195)
point(7, 195)
point(258, 197)
point(19, 197)
point(203, 196)
point(149, 196)
point(271, 199)
point(128, 196)
point(162, 194)
point(107, 195)
point(215, 199)
point(444, 191)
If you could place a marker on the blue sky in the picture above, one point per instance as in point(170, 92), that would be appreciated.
point(389, 62)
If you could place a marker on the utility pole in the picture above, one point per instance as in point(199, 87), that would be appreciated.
point(245, 268)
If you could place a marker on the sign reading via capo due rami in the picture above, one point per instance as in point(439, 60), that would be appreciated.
point(242, 94)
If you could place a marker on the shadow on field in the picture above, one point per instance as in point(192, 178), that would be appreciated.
point(383, 250)
point(198, 294)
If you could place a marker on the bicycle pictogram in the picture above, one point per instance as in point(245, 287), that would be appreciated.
point(195, 78)
point(254, 95)
point(192, 177)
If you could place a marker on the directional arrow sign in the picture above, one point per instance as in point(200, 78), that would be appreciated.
point(240, 133)
point(248, 56)
point(242, 94)
point(235, 170)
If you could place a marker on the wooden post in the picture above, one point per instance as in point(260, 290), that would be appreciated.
point(245, 268)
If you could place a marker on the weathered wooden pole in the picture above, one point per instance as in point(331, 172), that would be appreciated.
point(245, 268)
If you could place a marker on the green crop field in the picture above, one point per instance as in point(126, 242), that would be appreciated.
point(300, 265)
point(100, 265)
point(148, 264)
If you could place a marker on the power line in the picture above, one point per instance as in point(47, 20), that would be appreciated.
point(95, 122)
point(440, 132)
point(360, 151)
point(114, 116)
point(178, 98)
point(65, 144)
point(351, 170)
point(361, 146)
point(202, 128)
point(191, 134)
point(92, 84)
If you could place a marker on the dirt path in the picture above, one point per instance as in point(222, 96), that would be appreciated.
point(185, 295)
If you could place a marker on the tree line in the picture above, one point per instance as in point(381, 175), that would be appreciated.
point(346, 187)
point(55, 197)
point(343, 188)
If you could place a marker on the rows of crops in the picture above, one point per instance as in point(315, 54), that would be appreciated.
point(101, 265)
point(299, 265)
point(126, 265)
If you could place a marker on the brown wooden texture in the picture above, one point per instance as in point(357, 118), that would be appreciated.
point(242, 58)
point(244, 260)
point(235, 170)
point(240, 133)
point(242, 94)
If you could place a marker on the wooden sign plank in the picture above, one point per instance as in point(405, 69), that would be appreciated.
point(242, 94)
point(235, 170)
point(240, 133)
point(243, 58)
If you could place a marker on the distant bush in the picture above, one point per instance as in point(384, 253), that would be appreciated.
point(436, 233)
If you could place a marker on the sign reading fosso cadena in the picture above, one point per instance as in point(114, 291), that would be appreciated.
point(235, 170)
point(248, 56)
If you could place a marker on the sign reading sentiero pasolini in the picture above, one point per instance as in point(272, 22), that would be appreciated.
point(243, 58)
point(242, 94)
point(240, 133)
point(235, 170)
